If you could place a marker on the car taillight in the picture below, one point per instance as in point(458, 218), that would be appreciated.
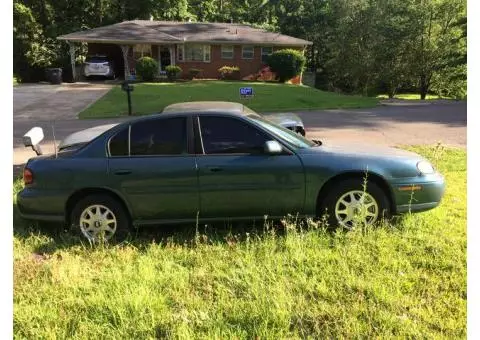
point(27, 176)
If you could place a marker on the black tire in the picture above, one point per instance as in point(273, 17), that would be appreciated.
point(118, 210)
point(338, 189)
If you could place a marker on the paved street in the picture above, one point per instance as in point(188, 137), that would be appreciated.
point(396, 123)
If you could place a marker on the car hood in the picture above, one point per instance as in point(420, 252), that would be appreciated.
point(361, 150)
point(284, 119)
point(84, 136)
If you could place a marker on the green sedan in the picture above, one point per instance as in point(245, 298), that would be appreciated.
point(212, 164)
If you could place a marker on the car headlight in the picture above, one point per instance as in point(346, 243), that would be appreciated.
point(425, 167)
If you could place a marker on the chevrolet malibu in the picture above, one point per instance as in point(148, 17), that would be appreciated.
point(213, 164)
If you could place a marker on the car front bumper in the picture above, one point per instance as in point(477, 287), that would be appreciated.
point(418, 194)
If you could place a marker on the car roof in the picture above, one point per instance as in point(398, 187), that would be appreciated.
point(208, 107)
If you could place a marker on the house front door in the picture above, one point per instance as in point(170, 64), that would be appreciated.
point(164, 57)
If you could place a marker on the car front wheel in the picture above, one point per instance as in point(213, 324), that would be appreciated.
point(348, 204)
point(100, 217)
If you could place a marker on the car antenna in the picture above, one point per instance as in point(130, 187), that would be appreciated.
point(54, 140)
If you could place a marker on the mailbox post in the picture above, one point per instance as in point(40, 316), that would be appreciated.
point(127, 87)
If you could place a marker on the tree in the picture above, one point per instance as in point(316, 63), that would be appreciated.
point(31, 49)
point(395, 33)
point(358, 45)
point(171, 10)
point(437, 30)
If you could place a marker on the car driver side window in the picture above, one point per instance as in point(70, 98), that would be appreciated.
point(224, 135)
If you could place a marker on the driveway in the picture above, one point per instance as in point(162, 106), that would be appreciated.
point(48, 105)
point(42, 102)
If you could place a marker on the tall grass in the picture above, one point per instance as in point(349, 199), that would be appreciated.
point(402, 280)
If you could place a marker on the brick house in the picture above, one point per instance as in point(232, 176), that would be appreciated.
point(205, 46)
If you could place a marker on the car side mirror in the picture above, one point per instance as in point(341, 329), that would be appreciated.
point(33, 138)
point(272, 147)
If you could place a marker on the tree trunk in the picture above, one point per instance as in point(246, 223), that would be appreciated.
point(423, 86)
point(392, 90)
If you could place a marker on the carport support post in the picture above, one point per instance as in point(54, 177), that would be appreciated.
point(72, 59)
point(126, 68)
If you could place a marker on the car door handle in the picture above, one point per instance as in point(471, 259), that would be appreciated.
point(214, 168)
point(123, 172)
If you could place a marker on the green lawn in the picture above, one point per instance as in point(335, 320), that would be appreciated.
point(407, 281)
point(153, 97)
point(412, 96)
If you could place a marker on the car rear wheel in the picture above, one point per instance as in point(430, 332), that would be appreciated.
point(348, 204)
point(100, 217)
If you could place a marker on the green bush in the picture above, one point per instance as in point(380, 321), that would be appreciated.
point(229, 72)
point(286, 63)
point(146, 68)
point(173, 72)
point(194, 72)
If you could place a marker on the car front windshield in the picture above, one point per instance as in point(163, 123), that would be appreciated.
point(284, 134)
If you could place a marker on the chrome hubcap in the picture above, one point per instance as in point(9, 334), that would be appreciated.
point(356, 206)
point(97, 222)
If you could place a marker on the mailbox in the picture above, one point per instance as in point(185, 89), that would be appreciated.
point(126, 86)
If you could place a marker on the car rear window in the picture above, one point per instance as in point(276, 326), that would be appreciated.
point(96, 59)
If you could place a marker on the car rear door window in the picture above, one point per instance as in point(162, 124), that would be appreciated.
point(224, 135)
point(159, 137)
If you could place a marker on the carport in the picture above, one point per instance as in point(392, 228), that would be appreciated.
point(123, 43)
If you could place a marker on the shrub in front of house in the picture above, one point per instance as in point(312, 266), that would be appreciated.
point(146, 68)
point(229, 72)
point(173, 72)
point(286, 63)
point(194, 72)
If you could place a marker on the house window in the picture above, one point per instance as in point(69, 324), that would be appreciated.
point(142, 50)
point(247, 52)
point(227, 52)
point(266, 51)
point(193, 52)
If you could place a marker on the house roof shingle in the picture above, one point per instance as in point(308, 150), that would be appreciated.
point(145, 31)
